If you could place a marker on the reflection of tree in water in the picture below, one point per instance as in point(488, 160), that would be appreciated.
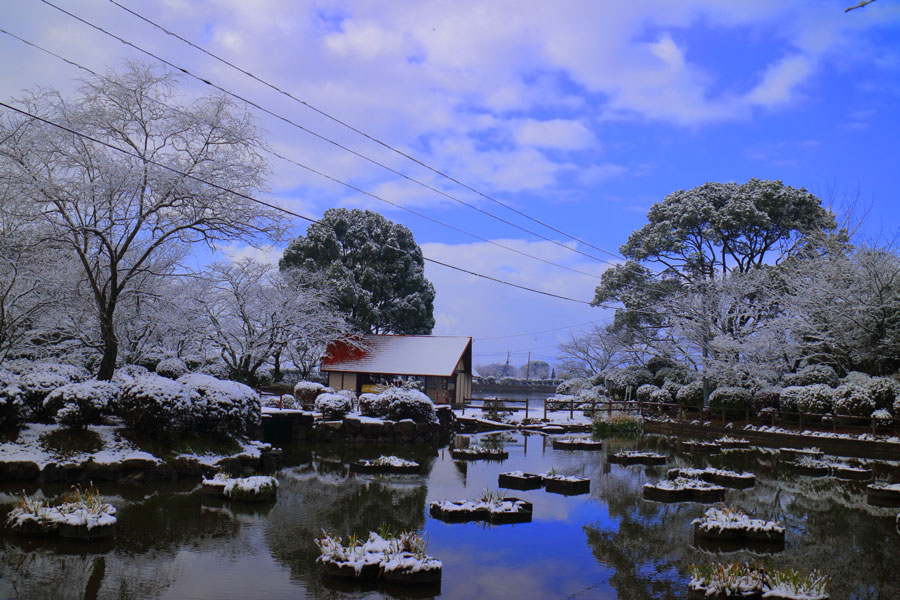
point(311, 500)
point(139, 563)
point(829, 527)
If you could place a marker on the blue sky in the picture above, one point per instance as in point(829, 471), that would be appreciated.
point(580, 114)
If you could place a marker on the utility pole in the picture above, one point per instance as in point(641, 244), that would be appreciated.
point(528, 367)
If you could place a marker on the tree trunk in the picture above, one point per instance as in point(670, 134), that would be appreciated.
point(110, 349)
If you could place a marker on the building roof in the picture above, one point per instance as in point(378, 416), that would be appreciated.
point(398, 355)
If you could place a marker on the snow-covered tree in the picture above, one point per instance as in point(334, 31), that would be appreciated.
point(375, 269)
point(589, 353)
point(254, 314)
point(126, 216)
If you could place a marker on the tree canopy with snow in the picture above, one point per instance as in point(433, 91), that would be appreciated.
point(125, 215)
point(375, 269)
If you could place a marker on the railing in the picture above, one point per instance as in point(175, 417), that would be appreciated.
point(685, 412)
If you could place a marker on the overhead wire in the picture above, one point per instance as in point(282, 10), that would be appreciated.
point(258, 201)
point(366, 135)
point(320, 136)
point(311, 169)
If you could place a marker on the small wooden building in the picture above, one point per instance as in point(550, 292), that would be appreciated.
point(442, 363)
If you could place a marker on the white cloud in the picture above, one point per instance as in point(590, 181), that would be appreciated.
point(558, 134)
point(780, 81)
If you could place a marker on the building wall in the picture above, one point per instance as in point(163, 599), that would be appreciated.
point(342, 381)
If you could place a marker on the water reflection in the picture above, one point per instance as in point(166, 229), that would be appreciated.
point(173, 542)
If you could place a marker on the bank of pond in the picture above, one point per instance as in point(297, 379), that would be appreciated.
point(649, 516)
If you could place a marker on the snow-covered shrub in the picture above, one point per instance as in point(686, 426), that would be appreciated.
point(854, 400)
point(643, 392)
point(306, 392)
point(10, 403)
point(767, 397)
point(810, 375)
point(883, 391)
point(220, 406)
point(881, 417)
point(897, 408)
point(173, 368)
point(155, 405)
point(857, 377)
point(216, 368)
point(678, 375)
point(570, 387)
point(35, 387)
point(410, 404)
point(128, 372)
point(817, 399)
point(661, 395)
point(374, 405)
point(77, 405)
point(286, 401)
point(594, 394)
point(671, 388)
point(264, 377)
point(333, 406)
point(619, 380)
point(350, 394)
point(691, 394)
point(730, 399)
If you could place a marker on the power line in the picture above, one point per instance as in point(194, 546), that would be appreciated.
point(359, 131)
point(320, 136)
point(311, 169)
point(258, 201)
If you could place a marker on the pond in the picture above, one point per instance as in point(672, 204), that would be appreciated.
point(174, 543)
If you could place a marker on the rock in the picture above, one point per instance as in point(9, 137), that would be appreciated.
point(270, 460)
point(22, 470)
point(371, 430)
point(186, 466)
point(352, 424)
point(102, 471)
point(164, 470)
point(231, 465)
point(138, 464)
point(61, 473)
point(405, 428)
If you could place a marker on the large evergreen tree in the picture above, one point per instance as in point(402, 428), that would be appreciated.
point(375, 268)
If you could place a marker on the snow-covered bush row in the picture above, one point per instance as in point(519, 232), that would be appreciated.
point(884, 391)
point(817, 398)
point(77, 405)
point(398, 404)
point(644, 391)
point(810, 375)
point(126, 373)
point(619, 380)
point(570, 387)
point(173, 368)
point(38, 380)
point(286, 401)
point(730, 398)
point(220, 406)
point(671, 388)
point(853, 399)
point(333, 406)
point(157, 405)
point(767, 397)
point(691, 394)
point(306, 392)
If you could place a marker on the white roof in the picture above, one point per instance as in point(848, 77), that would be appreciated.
point(404, 355)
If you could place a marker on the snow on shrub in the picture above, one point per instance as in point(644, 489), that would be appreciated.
point(643, 392)
point(677, 375)
point(219, 405)
point(817, 398)
point(155, 405)
point(333, 406)
point(570, 387)
point(173, 368)
point(857, 377)
point(283, 401)
point(810, 375)
point(661, 395)
point(410, 404)
point(884, 391)
point(35, 387)
point(594, 394)
point(374, 405)
point(307, 391)
point(671, 388)
point(10, 402)
point(854, 400)
point(77, 405)
point(691, 394)
point(619, 380)
point(730, 398)
point(767, 397)
point(882, 417)
point(127, 372)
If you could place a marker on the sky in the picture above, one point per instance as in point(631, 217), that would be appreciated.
point(577, 115)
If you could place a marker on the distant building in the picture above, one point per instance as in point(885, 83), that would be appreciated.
point(442, 363)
